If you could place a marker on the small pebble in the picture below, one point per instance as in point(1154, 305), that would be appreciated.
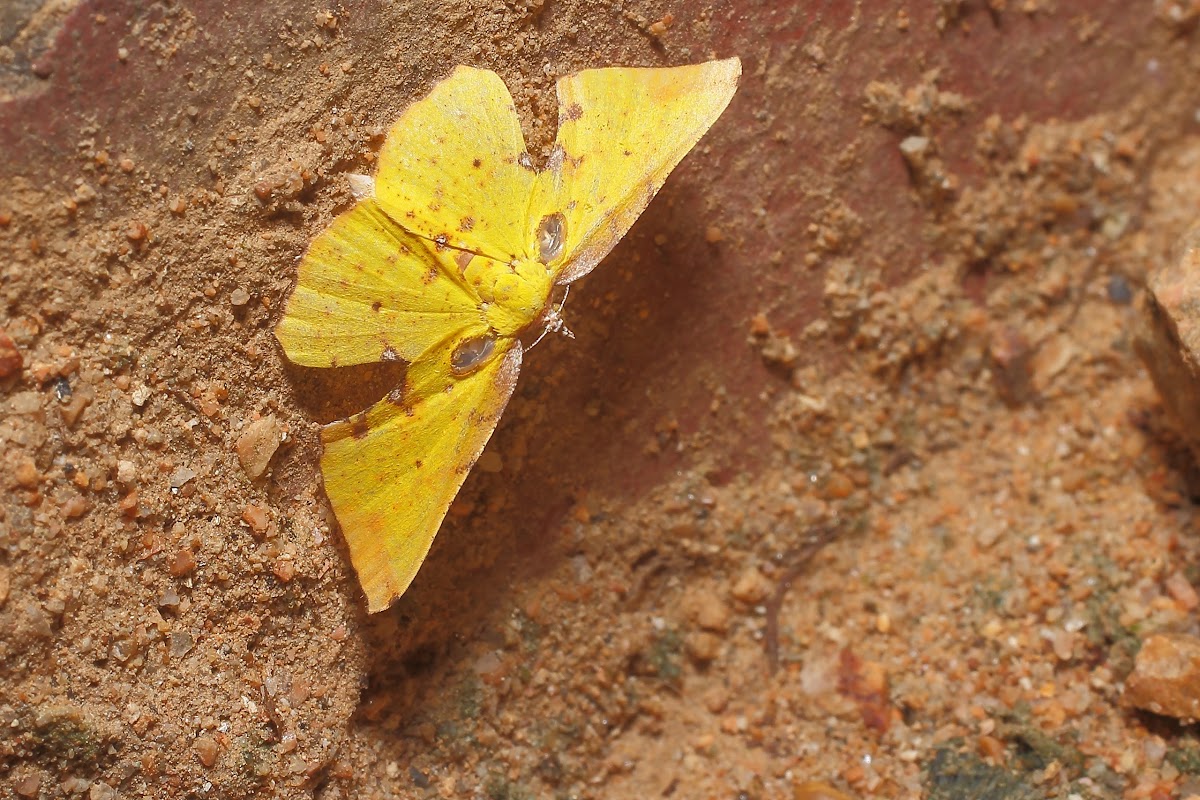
point(137, 232)
point(181, 644)
point(25, 403)
point(181, 476)
point(299, 692)
point(1155, 749)
point(488, 664)
point(73, 411)
point(239, 297)
point(838, 486)
point(991, 748)
point(257, 444)
point(256, 517)
point(206, 750)
point(1064, 645)
point(711, 613)
point(716, 699)
point(660, 28)
point(1182, 591)
point(129, 504)
point(1054, 354)
point(37, 621)
point(702, 647)
point(914, 149)
point(26, 474)
point(169, 598)
point(126, 473)
point(140, 395)
point(285, 570)
point(29, 785)
point(73, 785)
point(1166, 677)
point(751, 587)
point(183, 563)
point(102, 791)
point(75, 506)
point(11, 360)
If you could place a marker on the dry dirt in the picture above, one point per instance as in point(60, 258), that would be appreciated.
point(850, 485)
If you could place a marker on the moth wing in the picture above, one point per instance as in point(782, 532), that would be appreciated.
point(370, 291)
point(620, 133)
point(454, 165)
point(392, 471)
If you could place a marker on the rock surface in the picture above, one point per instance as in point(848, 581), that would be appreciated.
point(1166, 677)
point(1169, 341)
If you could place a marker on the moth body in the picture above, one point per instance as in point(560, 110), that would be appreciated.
point(453, 252)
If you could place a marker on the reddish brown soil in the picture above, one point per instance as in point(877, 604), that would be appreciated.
point(885, 302)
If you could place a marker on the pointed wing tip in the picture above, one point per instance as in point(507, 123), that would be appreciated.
point(381, 582)
point(383, 576)
point(732, 65)
point(380, 602)
point(726, 72)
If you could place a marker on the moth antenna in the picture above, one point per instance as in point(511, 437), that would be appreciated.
point(554, 321)
point(541, 336)
point(562, 325)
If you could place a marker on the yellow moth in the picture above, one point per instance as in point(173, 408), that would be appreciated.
point(456, 252)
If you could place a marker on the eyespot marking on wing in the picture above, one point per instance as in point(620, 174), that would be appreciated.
point(471, 353)
point(551, 235)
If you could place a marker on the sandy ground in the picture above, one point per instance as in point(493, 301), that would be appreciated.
point(851, 484)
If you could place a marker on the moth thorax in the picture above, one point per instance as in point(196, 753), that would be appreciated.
point(519, 294)
point(551, 235)
point(471, 353)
